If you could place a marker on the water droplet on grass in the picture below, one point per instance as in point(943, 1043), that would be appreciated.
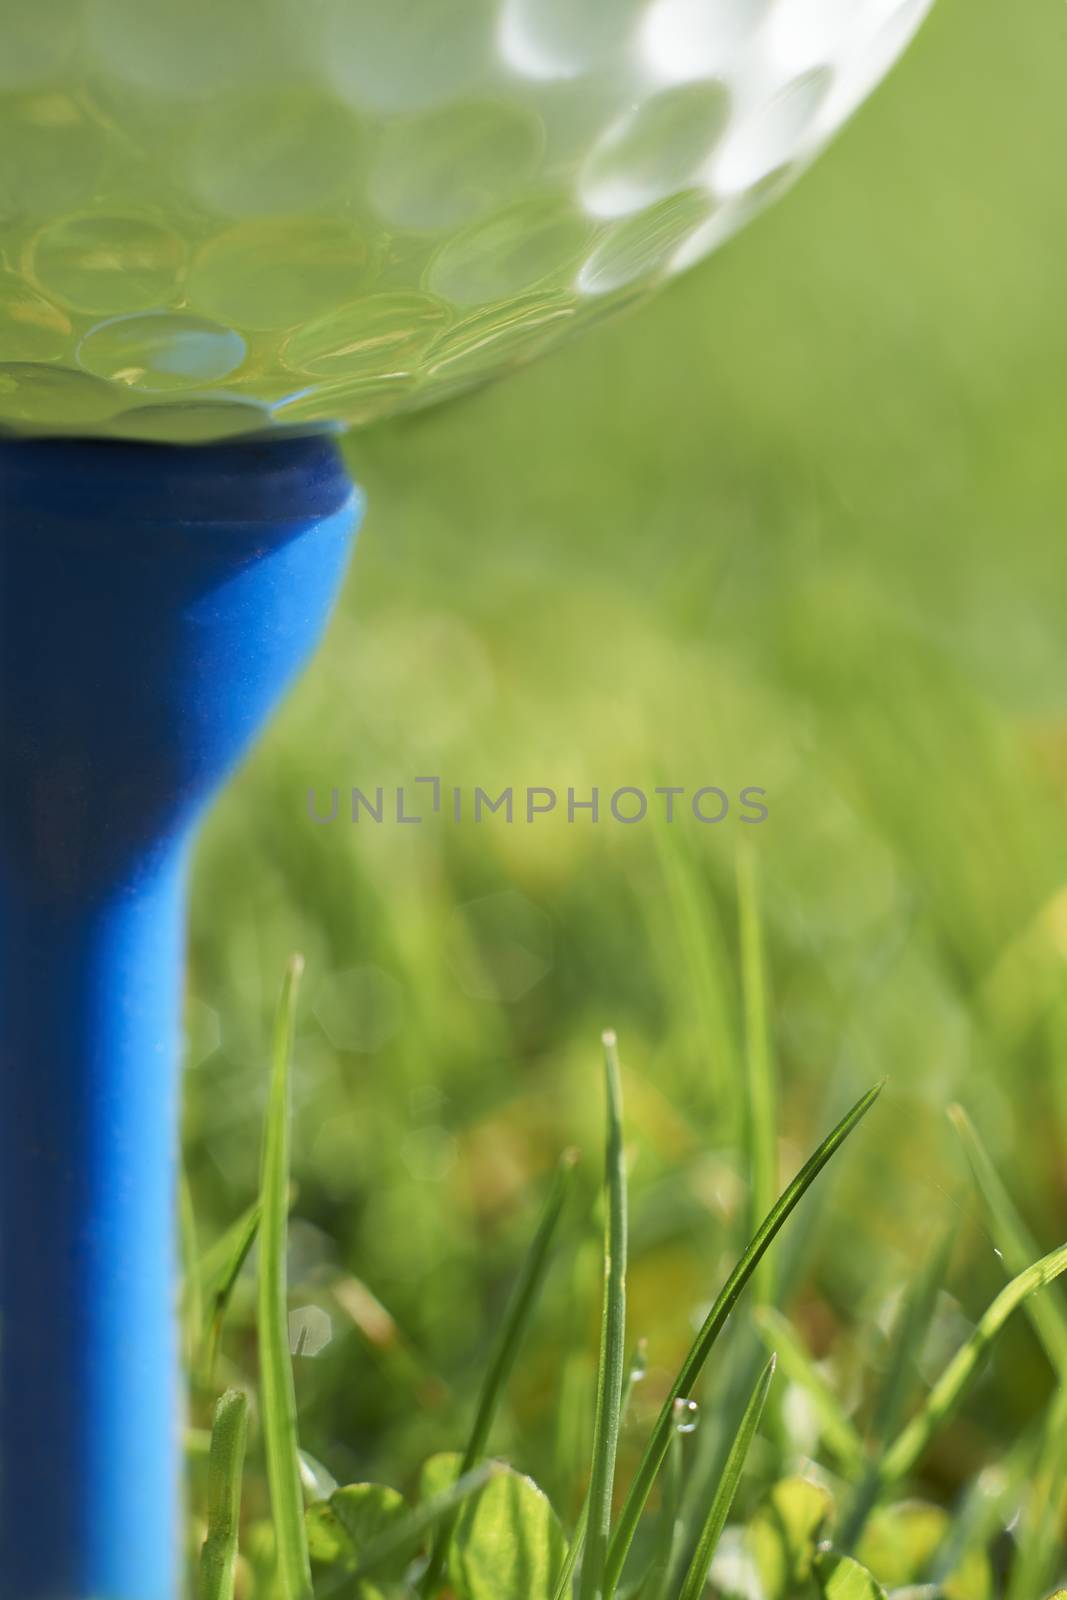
point(686, 1415)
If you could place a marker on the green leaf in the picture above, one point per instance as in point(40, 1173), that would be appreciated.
point(366, 1511)
point(612, 1368)
point(218, 1558)
point(783, 1536)
point(841, 1578)
point(835, 1427)
point(512, 1331)
point(277, 1393)
point(328, 1543)
point(399, 1537)
point(697, 1577)
point(507, 1543)
point(341, 1530)
point(949, 1388)
point(702, 1346)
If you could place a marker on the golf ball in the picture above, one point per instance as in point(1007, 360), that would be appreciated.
point(218, 219)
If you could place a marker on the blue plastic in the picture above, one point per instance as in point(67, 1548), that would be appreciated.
point(154, 604)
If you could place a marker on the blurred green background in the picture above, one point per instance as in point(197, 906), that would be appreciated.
point(798, 524)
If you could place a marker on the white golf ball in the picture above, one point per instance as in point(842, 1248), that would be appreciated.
point(221, 217)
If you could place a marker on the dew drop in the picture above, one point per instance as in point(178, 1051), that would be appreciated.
point(686, 1415)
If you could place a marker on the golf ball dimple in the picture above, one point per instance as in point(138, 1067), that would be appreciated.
point(218, 220)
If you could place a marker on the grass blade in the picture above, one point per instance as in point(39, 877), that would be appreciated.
point(761, 1117)
point(611, 1372)
point(702, 957)
point(277, 1393)
point(669, 1530)
point(223, 1260)
point(191, 1313)
point(218, 1559)
point(697, 1577)
point(1013, 1240)
point(220, 1268)
point(713, 1325)
point(516, 1321)
point(986, 1508)
point(577, 1544)
point(908, 1333)
point(948, 1390)
point(1039, 1532)
point(837, 1429)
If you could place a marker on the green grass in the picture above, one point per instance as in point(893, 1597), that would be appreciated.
point(218, 1558)
point(611, 1373)
point(796, 524)
point(277, 1391)
point(696, 1578)
point(479, 1528)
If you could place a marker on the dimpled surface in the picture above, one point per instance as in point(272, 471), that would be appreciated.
point(228, 216)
